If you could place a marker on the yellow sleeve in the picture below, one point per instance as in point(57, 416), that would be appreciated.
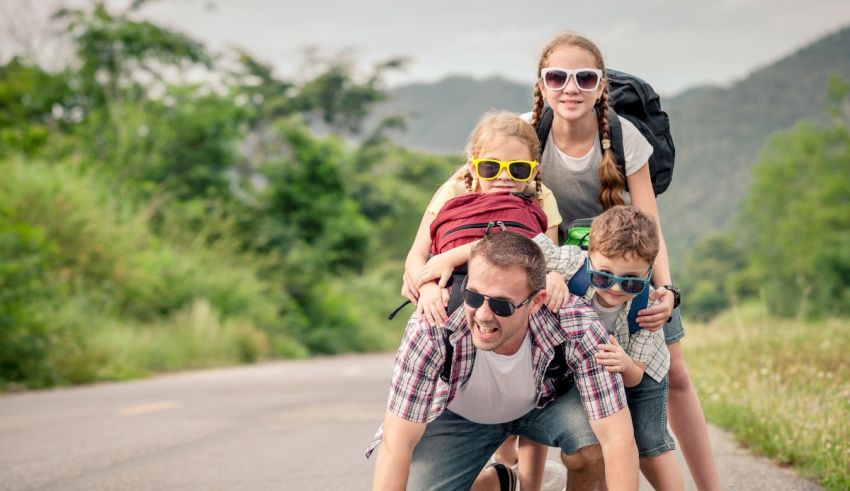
point(550, 207)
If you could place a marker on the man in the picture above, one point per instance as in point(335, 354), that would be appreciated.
point(440, 428)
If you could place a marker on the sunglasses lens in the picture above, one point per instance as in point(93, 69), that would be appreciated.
point(600, 280)
point(632, 286)
point(501, 307)
point(555, 79)
point(587, 80)
point(473, 299)
point(488, 169)
point(520, 171)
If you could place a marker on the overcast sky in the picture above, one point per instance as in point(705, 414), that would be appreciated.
point(675, 44)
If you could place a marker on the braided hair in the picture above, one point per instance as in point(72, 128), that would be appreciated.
point(611, 179)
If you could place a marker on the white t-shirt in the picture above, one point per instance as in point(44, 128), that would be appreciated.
point(500, 389)
point(608, 315)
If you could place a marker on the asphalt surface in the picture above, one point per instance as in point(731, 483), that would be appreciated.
point(300, 425)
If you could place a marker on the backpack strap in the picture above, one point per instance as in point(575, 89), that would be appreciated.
point(557, 370)
point(447, 363)
point(544, 126)
point(580, 281)
point(638, 303)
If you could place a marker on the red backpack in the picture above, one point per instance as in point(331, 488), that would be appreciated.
point(471, 216)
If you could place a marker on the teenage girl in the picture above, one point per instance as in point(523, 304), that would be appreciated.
point(579, 166)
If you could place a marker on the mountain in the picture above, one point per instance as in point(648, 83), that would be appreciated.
point(718, 131)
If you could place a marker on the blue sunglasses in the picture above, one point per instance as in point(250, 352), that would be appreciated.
point(628, 284)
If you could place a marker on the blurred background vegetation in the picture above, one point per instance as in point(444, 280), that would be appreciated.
point(165, 207)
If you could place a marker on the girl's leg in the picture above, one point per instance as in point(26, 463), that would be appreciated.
point(688, 423)
point(662, 472)
point(532, 460)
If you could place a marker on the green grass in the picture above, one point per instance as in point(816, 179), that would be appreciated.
point(782, 386)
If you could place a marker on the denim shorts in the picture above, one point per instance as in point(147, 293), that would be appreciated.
point(673, 330)
point(453, 450)
point(648, 405)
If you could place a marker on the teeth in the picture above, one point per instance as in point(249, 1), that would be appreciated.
point(486, 330)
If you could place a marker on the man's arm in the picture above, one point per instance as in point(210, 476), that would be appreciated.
point(393, 466)
point(619, 452)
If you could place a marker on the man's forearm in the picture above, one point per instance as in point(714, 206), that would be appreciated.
point(391, 469)
point(619, 451)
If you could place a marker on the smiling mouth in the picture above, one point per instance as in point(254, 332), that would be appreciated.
point(486, 332)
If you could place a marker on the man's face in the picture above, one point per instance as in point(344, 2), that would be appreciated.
point(504, 335)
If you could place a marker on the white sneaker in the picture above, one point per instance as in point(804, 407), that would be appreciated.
point(554, 476)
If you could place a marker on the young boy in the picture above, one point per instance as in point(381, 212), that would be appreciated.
point(623, 245)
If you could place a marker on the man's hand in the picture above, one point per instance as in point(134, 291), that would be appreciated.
point(655, 316)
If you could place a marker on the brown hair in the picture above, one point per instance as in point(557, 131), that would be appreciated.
point(623, 230)
point(611, 180)
point(505, 124)
point(513, 250)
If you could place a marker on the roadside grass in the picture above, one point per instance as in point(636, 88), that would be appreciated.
point(782, 386)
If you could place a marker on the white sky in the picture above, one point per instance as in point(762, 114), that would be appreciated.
point(674, 43)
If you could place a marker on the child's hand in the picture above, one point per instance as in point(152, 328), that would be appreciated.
point(437, 268)
point(408, 289)
point(660, 309)
point(433, 301)
point(556, 287)
point(612, 356)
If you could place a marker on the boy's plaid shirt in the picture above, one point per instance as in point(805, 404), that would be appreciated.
point(418, 394)
point(644, 345)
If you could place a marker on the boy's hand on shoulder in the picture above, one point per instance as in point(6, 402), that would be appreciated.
point(660, 309)
point(612, 356)
point(557, 291)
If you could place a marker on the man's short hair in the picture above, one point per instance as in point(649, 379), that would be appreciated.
point(513, 250)
point(623, 230)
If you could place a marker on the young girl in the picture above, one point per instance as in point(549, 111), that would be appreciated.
point(499, 136)
point(580, 167)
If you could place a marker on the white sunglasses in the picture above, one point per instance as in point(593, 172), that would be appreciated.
point(555, 78)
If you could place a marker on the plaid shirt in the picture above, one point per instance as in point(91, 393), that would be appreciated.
point(644, 345)
point(419, 395)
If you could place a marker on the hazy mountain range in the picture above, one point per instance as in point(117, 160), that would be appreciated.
point(718, 131)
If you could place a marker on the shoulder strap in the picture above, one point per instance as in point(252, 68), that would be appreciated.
point(447, 363)
point(544, 126)
point(580, 281)
point(638, 303)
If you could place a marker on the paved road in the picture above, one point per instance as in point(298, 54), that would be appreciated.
point(298, 425)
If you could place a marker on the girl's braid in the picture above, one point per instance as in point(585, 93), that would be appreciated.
point(611, 180)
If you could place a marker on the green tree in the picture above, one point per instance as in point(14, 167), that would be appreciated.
point(796, 218)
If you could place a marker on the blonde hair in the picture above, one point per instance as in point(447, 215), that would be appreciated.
point(611, 179)
point(624, 230)
point(503, 124)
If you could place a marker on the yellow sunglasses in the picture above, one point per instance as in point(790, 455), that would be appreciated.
point(518, 170)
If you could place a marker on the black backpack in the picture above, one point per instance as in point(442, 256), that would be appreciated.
point(634, 99)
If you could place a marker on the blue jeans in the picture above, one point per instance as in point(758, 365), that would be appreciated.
point(453, 450)
point(673, 330)
point(648, 406)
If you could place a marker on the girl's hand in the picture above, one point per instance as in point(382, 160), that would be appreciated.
point(433, 301)
point(408, 289)
point(439, 268)
point(612, 356)
point(655, 316)
point(556, 287)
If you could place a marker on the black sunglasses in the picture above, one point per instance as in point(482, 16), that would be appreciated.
point(499, 306)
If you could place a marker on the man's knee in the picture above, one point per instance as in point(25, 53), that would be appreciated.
point(586, 457)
